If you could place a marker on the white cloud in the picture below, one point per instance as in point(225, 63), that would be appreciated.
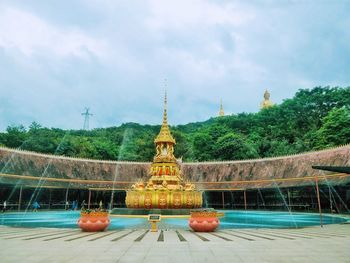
point(206, 49)
point(189, 13)
point(32, 35)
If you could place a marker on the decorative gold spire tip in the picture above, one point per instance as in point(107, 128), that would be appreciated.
point(165, 134)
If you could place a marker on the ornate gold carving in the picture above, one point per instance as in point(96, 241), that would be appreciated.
point(203, 214)
point(148, 200)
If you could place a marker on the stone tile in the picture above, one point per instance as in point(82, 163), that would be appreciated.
point(317, 249)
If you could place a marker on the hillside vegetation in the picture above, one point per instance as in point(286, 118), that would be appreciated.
point(313, 119)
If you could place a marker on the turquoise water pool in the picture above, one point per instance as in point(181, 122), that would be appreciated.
point(232, 219)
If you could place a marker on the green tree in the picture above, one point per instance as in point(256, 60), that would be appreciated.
point(233, 146)
point(313, 119)
point(43, 140)
point(335, 129)
point(203, 145)
point(84, 147)
point(14, 137)
point(34, 126)
point(183, 146)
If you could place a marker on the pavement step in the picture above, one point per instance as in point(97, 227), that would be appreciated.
point(201, 237)
point(161, 236)
point(181, 237)
point(106, 234)
point(122, 236)
point(174, 236)
point(142, 236)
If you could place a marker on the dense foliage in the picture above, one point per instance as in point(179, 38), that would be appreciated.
point(313, 119)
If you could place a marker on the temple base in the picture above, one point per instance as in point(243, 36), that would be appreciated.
point(163, 199)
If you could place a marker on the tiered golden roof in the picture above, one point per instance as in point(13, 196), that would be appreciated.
point(165, 170)
point(165, 134)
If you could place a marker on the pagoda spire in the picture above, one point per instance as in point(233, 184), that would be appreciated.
point(221, 112)
point(165, 188)
point(165, 134)
point(165, 113)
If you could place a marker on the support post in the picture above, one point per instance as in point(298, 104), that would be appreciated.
point(330, 199)
point(288, 193)
point(20, 198)
point(245, 199)
point(112, 199)
point(89, 200)
point(232, 199)
point(154, 226)
point(65, 204)
point(319, 201)
point(50, 193)
point(223, 199)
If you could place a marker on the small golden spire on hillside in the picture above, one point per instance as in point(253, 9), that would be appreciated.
point(221, 112)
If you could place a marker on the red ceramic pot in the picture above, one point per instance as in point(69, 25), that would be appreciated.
point(93, 221)
point(204, 221)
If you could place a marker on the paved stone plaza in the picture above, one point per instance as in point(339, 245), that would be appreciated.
point(314, 244)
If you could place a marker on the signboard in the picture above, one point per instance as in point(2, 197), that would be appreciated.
point(154, 217)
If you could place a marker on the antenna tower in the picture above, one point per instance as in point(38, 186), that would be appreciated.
point(86, 115)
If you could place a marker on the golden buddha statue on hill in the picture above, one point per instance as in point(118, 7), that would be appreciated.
point(266, 103)
point(165, 188)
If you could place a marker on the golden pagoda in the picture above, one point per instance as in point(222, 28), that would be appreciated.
point(165, 189)
point(266, 103)
point(221, 112)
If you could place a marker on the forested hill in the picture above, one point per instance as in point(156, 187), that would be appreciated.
point(312, 120)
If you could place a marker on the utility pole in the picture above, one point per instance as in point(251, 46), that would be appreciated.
point(87, 115)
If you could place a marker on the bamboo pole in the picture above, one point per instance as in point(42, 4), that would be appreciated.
point(288, 193)
point(319, 201)
point(223, 199)
point(20, 198)
point(50, 194)
point(89, 200)
point(330, 199)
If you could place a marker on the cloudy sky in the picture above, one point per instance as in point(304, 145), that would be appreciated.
point(57, 57)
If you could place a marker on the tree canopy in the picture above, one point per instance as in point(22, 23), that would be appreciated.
point(311, 120)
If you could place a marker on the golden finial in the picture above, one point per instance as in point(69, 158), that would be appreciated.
point(165, 114)
point(221, 112)
point(266, 103)
point(164, 134)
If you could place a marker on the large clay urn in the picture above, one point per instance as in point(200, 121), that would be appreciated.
point(204, 221)
point(93, 221)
